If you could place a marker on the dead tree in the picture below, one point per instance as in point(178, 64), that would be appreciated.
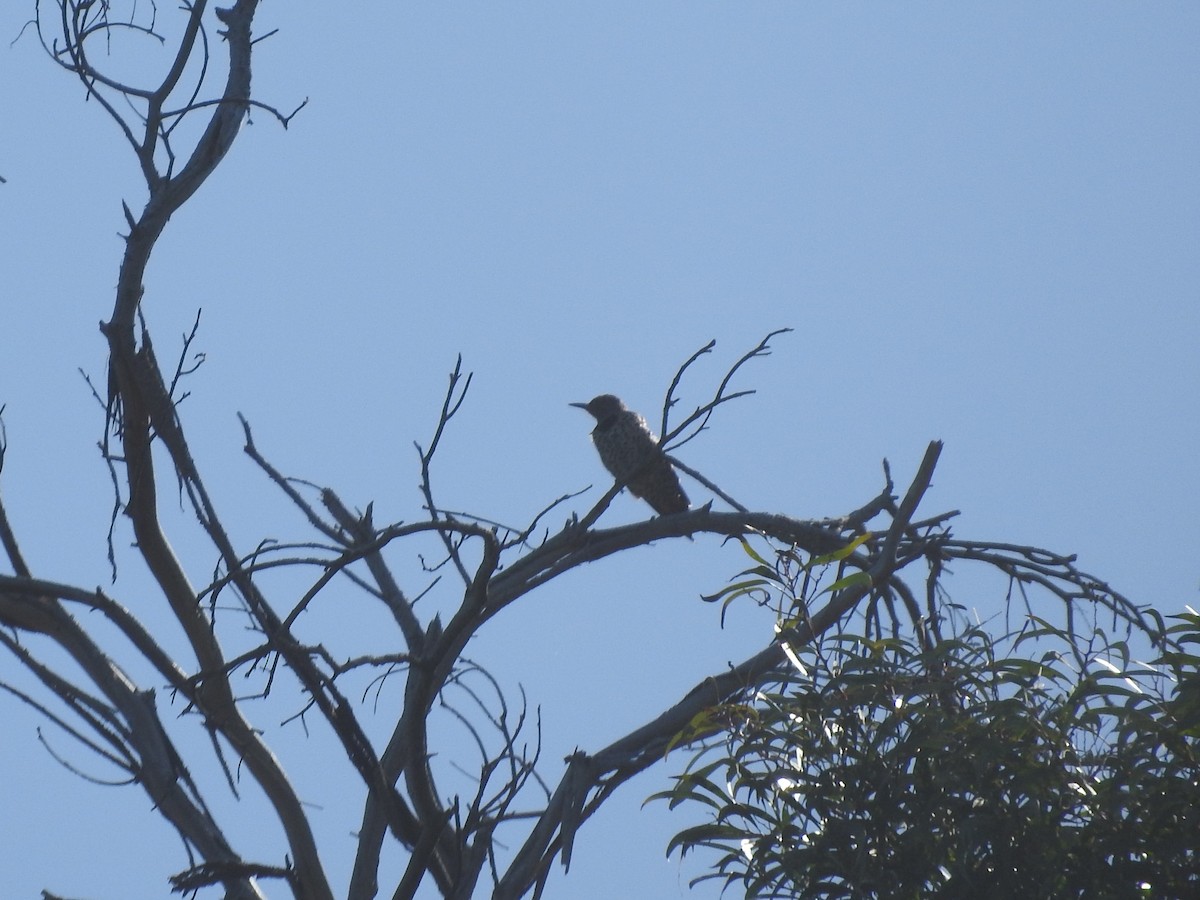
point(456, 839)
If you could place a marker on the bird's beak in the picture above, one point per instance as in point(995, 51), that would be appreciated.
point(580, 405)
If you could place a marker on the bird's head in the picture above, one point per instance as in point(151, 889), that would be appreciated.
point(602, 407)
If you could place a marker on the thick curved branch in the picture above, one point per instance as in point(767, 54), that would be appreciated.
point(141, 399)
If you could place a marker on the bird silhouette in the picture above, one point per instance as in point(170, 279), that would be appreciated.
point(630, 452)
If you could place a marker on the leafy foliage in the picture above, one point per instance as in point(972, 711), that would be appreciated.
point(1042, 763)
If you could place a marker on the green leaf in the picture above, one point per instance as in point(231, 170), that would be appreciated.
point(704, 834)
point(839, 555)
point(750, 552)
point(737, 590)
point(854, 579)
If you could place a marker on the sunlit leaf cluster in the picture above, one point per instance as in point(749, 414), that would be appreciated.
point(1041, 762)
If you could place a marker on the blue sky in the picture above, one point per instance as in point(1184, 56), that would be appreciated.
point(981, 220)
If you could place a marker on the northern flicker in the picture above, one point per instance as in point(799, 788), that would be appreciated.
point(630, 451)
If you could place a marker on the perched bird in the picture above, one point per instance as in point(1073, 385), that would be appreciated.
point(630, 451)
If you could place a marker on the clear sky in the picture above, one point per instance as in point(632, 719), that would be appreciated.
point(981, 220)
